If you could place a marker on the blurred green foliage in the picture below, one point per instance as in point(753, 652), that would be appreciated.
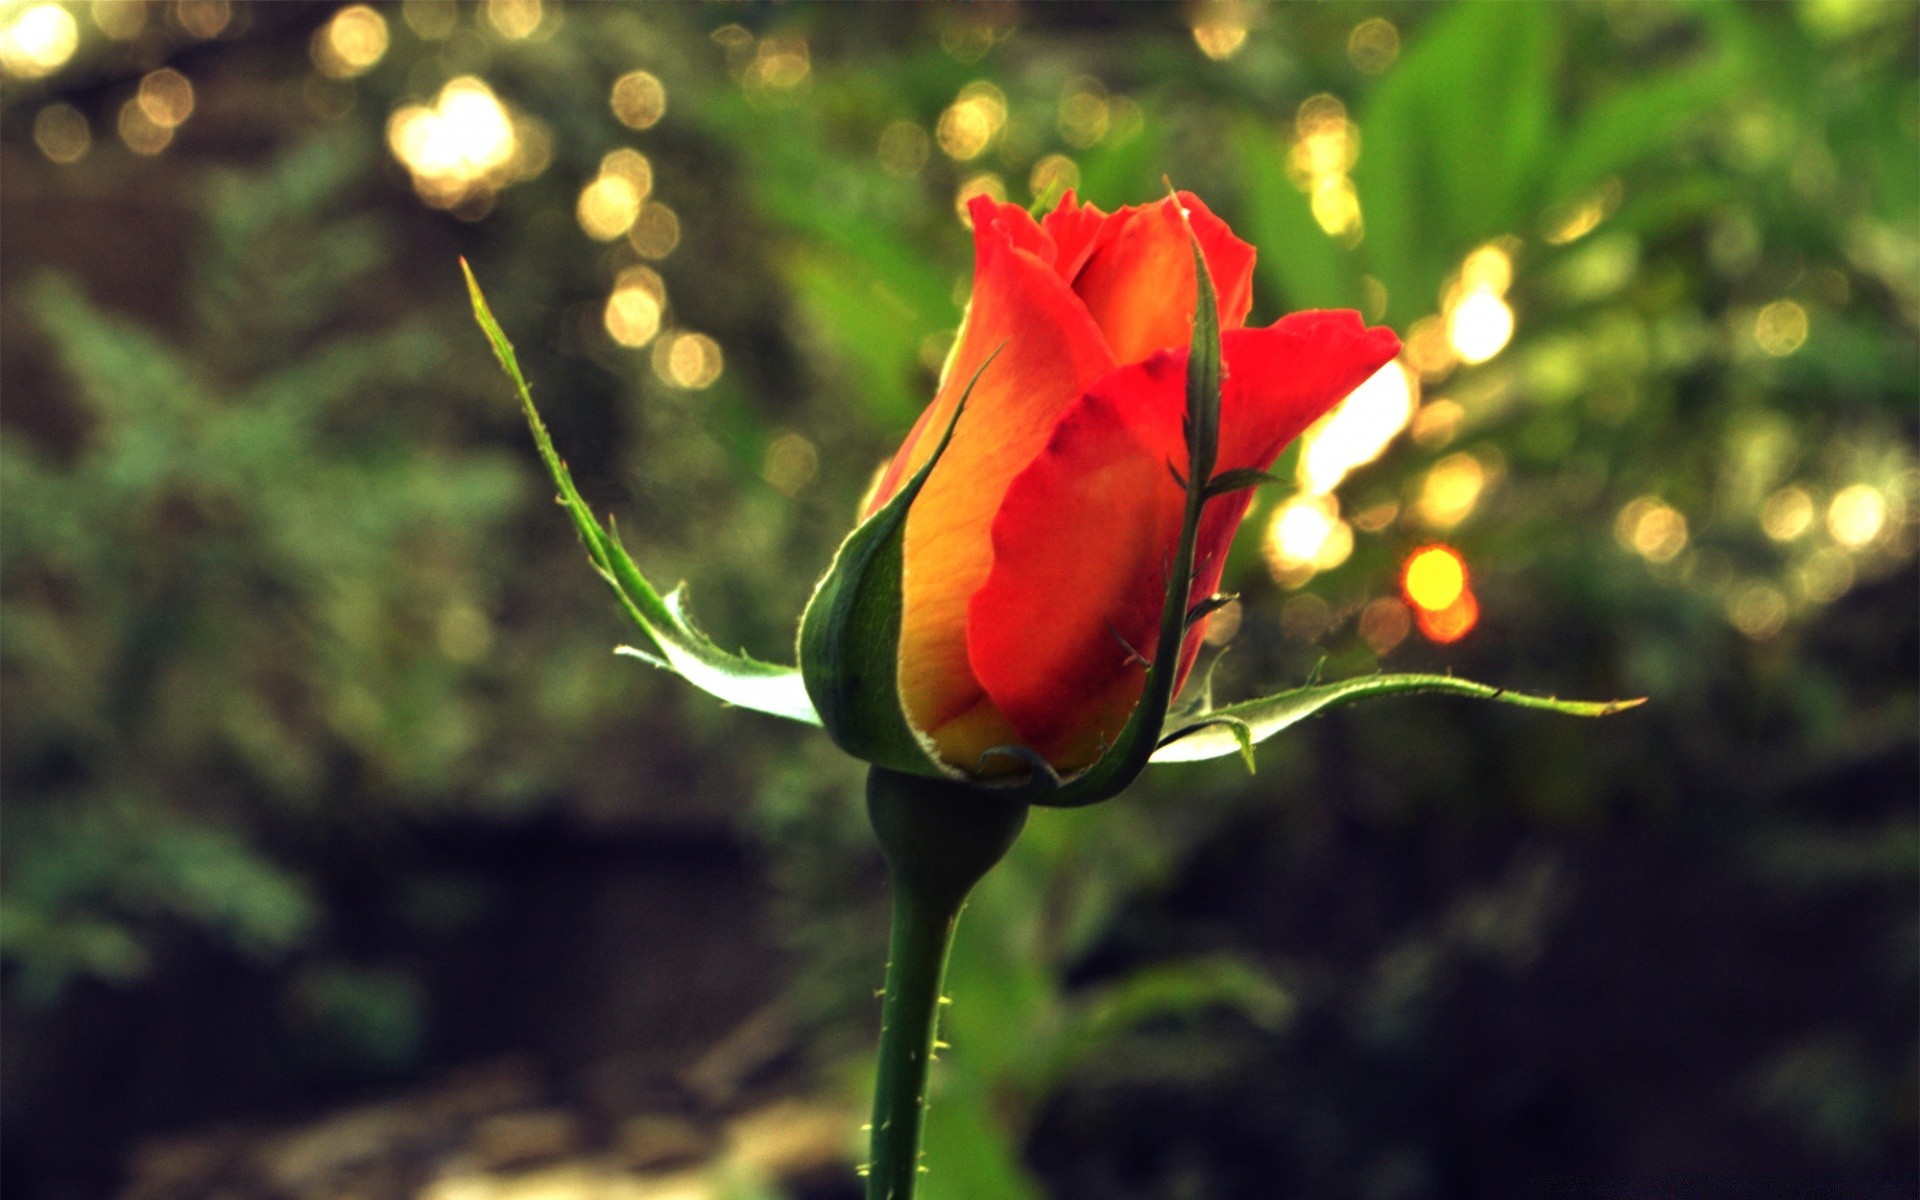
point(282, 590)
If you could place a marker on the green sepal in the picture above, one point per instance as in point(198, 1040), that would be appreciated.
point(850, 633)
point(1227, 482)
point(1238, 727)
point(1122, 762)
point(670, 640)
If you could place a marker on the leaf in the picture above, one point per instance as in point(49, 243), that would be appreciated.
point(1454, 151)
point(850, 633)
point(671, 640)
point(1220, 732)
point(1123, 761)
point(1641, 120)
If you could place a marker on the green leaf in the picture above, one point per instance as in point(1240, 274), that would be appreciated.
point(1235, 727)
point(1123, 761)
point(850, 633)
point(1454, 151)
point(1641, 120)
point(671, 640)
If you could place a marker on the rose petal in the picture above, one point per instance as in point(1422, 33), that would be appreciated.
point(1048, 353)
point(1076, 230)
point(1135, 271)
point(1086, 533)
point(994, 224)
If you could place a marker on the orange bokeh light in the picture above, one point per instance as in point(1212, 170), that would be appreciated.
point(1434, 578)
point(1451, 623)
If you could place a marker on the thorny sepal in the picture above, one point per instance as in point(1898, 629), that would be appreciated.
point(670, 640)
point(1221, 731)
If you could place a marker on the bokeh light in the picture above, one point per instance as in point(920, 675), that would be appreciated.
point(515, 20)
point(1757, 609)
point(1787, 514)
point(1478, 321)
point(1479, 325)
point(62, 134)
point(971, 123)
point(1856, 515)
point(1325, 147)
point(1651, 528)
point(1325, 141)
point(631, 165)
point(38, 41)
point(1428, 351)
point(639, 100)
point(1384, 624)
point(656, 231)
point(1437, 585)
point(1304, 536)
point(1781, 328)
point(1373, 45)
point(141, 133)
point(779, 64)
point(465, 146)
point(1358, 429)
point(1437, 423)
point(1086, 112)
point(166, 97)
point(790, 463)
point(351, 43)
point(1450, 491)
point(204, 19)
point(1451, 623)
point(1434, 577)
point(1220, 28)
point(688, 360)
point(635, 308)
point(608, 207)
point(984, 184)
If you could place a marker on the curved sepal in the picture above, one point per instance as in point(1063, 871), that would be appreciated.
point(850, 634)
point(1236, 728)
point(670, 640)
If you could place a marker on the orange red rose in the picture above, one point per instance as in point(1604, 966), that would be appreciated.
point(1035, 556)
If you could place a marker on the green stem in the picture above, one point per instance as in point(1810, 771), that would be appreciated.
point(939, 839)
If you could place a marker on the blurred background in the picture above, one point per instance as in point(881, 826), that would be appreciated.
point(342, 859)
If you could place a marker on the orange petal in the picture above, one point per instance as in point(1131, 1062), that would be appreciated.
point(1083, 540)
point(1137, 274)
point(1048, 352)
point(1076, 230)
point(995, 225)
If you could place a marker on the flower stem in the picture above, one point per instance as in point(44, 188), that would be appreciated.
point(939, 838)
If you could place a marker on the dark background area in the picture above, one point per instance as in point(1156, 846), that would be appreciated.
point(341, 858)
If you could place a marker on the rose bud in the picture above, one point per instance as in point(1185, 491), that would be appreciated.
point(1034, 565)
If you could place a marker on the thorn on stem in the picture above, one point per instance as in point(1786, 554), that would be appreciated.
point(1133, 656)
